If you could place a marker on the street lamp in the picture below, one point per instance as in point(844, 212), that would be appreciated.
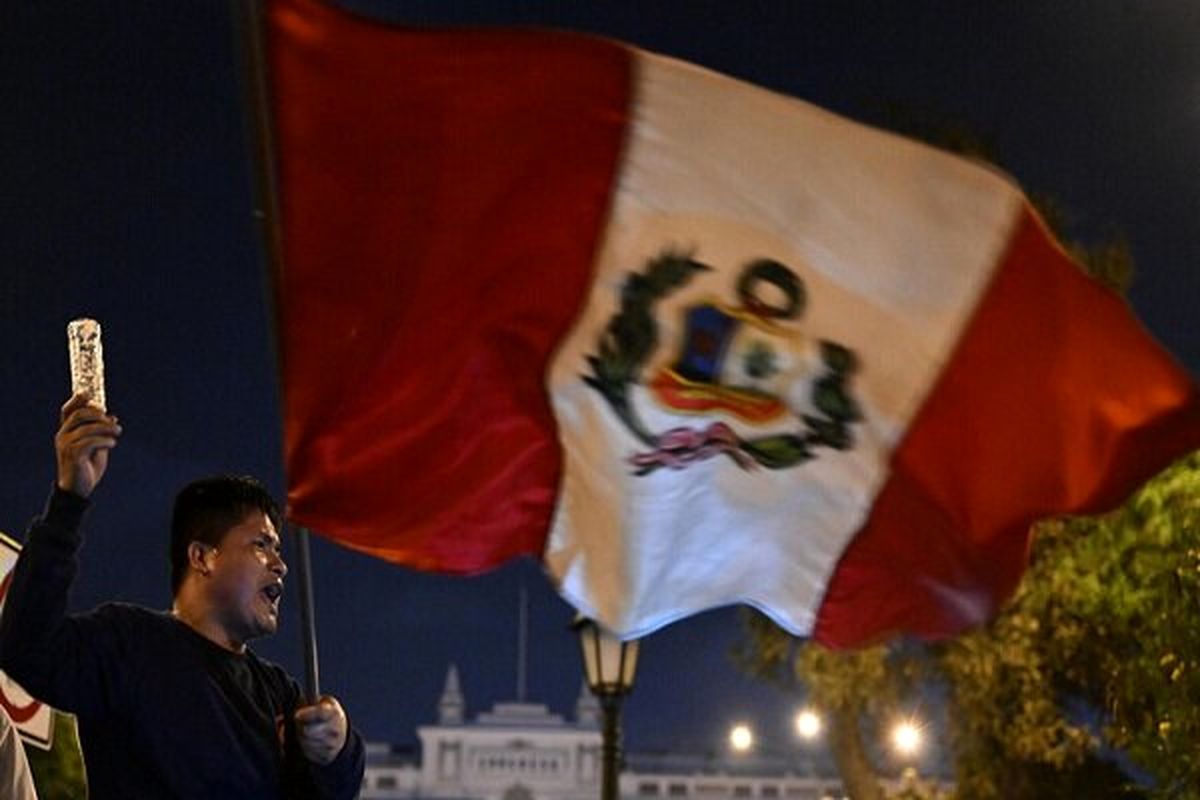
point(609, 665)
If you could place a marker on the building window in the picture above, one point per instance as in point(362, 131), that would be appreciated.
point(677, 790)
point(769, 791)
point(518, 792)
point(742, 791)
point(648, 789)
point(386, 782)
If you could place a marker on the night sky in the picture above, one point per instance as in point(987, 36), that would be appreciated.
point(126, 196)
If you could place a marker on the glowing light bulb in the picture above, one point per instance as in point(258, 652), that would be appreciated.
point(741, 738)
point(906, 738)
point(808, 724)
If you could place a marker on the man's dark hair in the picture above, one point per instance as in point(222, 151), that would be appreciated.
point(206, 509)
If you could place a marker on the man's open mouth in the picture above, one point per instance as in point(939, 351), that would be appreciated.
point(272, 592)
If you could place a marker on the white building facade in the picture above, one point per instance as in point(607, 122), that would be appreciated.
point(523, 751)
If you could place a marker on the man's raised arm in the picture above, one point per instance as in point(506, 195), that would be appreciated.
point(39, 644)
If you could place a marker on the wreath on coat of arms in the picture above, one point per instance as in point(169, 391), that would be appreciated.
point(692, 383)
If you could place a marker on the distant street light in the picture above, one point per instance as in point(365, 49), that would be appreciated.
point(808, 724)
point(906, 738)
point(609, 665)
point(741, 738)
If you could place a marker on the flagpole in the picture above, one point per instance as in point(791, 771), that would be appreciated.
point(312, 685)
point(247, 18)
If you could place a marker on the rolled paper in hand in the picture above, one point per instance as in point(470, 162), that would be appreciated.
point(87, 360)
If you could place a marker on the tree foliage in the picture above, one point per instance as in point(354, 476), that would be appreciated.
point(58, 772)
point(1097, 653)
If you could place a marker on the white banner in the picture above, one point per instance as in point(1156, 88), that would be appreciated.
point(32, 718)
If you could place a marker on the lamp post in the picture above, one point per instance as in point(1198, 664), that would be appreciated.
point(609, 665)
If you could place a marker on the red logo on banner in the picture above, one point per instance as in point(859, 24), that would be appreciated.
point(18, 713)
point(32, 718)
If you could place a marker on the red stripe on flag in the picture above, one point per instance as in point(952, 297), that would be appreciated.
point(442, 197)
point(1055, 401)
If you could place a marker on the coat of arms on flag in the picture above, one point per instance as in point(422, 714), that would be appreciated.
point(737, 364)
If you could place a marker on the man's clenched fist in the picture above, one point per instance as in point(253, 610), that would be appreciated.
point(85, 436)
point(322, 730)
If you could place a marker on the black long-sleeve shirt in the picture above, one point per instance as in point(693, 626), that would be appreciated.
point(163, 712)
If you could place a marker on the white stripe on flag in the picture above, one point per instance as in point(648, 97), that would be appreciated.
point(894, 242)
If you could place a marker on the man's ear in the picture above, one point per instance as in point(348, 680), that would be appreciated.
point(200, 557)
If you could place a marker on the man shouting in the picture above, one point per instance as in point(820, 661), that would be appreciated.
point(173, 704)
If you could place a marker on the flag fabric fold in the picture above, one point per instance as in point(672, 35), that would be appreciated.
point(689, 341)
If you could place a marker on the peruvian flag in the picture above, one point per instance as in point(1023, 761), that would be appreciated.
point(690, 342)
